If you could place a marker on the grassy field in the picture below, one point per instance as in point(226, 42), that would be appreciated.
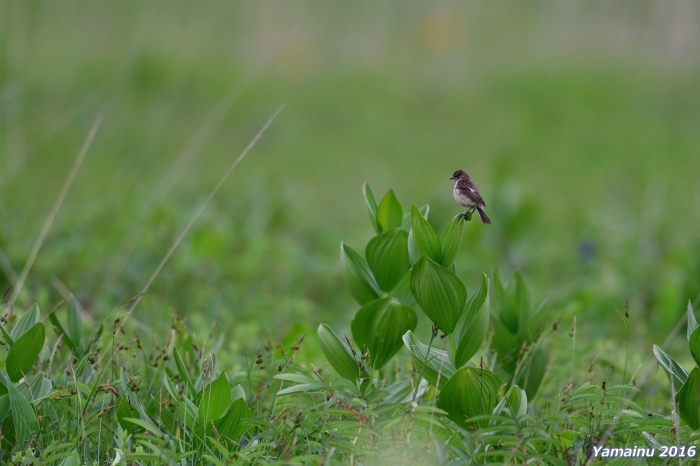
point(579, 123)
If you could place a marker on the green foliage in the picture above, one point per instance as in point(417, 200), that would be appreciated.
point(519, 339)
point(686, 385)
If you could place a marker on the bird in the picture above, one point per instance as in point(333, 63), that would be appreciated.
point(467, 195)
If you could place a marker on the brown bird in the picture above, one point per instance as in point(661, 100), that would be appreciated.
point(467, 195)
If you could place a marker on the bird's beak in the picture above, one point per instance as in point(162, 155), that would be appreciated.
point(452, 177)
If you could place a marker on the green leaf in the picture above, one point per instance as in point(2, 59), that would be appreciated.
point(432, 364)
point(470, 392)
point(694, 345)
point(182, 370)
point(358, 276)
point(676, 374)
point(473, 325)
point(505, 309)
point(387, 256)
point(24, 352)
point(389, 212)
point(438, 292)
point(23, 416)
point(75, 322)
point(60, 329)
point(217, 396)
point(230, 425)
point(688, 399)
point(425, 239)
point(144, 424)
point(337, 353)
point(402, 290)
point(534, 368)
point(451, 239)
point(27, 321)
point(6, 336)
point(407, 221)
point(371, 207)
point(379, 326)
point(692, 322)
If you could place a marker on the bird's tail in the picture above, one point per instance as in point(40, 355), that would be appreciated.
point(484, 217)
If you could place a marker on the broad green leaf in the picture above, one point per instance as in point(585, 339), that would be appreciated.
point(217, 396)
point(337, 353)
point(4, 407)
point(379, 326)
point(10, 341)
point(371, 207)
point(402, 290)
point(23, 416)
point(515, 400)
point(694, 345)
point(425, 239)
point(533, 370)
point(692, 321)
point(24, 352)
point(144, 424)
point(389, 212)
point(505, 309)
point(470, 392)
point(358, 276)
point(451, 239)
point(182, 370)
point(387, 256)
point(73, 459)
point(60, 329)
point(230, 425)
point(473, 325)
point(407, 221)
point(688, 399)
point(27, 321)
point(676, 374)
point(237, 392)
point(432, 364)
point(438, 292)
point(75, 322)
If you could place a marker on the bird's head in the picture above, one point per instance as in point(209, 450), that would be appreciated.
point(460, 175)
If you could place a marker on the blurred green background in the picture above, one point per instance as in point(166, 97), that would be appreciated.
point(578, 121)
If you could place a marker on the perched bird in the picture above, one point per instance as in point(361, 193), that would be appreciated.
point(467, 195)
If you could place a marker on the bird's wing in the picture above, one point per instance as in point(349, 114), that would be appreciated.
point(470, 191)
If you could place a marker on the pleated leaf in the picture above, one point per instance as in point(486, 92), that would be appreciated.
point(387, 257)
point(379, 326)
point(389, 212)
point(438, 292)
point(407, 222)
point(24, 352)
point(470, 392)
point(676, 374)
point(215, 400)
point(337, 353)
point(433, 364)
point(23, 416)
point(358, 276)
point(230, 425)
point(451, 239)
point(425, 239)
point(371, 202)
point(27, 321)
point(694, 345)
point(473, 325)
point(688, 399)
